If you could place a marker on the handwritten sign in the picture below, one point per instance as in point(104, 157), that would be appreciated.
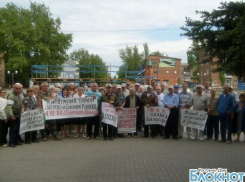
point(110, 115)
point(127, 120)
point(31, 120)
point(156, 115)
point(70, 107)
point(193, 118)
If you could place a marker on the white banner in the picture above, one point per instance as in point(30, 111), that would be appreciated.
point(156, 115)
point(110, 115)
point(31, 120)
point(127, 120)
point(70, 107)
point(193, 118)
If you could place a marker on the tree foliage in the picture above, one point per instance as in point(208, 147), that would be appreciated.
point(221, 34)
point(31, 36)
point(83, 57)
point(158, 53)
point(131, 58)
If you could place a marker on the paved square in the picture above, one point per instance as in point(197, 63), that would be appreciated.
point(129, 159)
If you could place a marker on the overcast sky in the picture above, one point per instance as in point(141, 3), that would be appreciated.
point(111, 15)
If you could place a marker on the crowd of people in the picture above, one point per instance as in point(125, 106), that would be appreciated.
point(226, 113)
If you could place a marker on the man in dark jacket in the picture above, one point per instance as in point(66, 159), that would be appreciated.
point(148, 98)
point(133, 101)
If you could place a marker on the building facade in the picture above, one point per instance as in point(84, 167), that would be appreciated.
point(206, 73)
point(161, 69)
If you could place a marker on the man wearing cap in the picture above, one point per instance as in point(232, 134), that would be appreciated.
point(149, 99)
point(110, 98)
point(137, 89)
point(114, 88)
point(93, 92)
point(171, 101)
point(184, 97)
point(176, 89)
point(127, 86)
point(124, 90)
point(199, 101)
point(120, 104)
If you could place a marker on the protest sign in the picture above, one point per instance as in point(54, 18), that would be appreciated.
point(193, 118)
point(127, 120)
point(156, 115)
point(31, 120)
point(110, 115)
point(70, 107)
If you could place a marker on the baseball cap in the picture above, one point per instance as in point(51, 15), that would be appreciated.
point(119, 86)
point(108, 85)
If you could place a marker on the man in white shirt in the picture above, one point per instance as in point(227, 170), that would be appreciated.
point(160, 97)
point(3, 118)
point(124, 90)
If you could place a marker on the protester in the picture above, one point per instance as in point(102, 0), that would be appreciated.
point(80, 122)
point(238, 123)
point(93, 92)
point(213, 118)
point(154, 86)
point(207, 89)
point(114, 88)
point(3, 118)
point(162, 88)
point(234, 95)
point(14, 111)
point(127, 86)
point(45, 94)
point(137, 89)
point(184, 97)
point(30, 103)
point(176, 89)
point(35, 90)
point(199, 101)
point(225, 105)
point(160, 96)
point(133, 101)
point(124, 90)
point(110, 98)
point(171, 101)
point(120, 104)
point(148, 98)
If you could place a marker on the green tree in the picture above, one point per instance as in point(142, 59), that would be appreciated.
point(158, 53)
point(221, 34)
point(89, 63)
point(193, 58)
point(31, 37)
point(146, 50)
point(131, 58)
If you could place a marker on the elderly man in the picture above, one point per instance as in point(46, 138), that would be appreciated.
point(176, 89)
point(133, 101)
point(120, 104)
point(110, 98)
point(171, 101)
point(213, 118)
point(114, 88)
point(154, 85)
point(45, 94)
point(96, 119)
point(199, 101)
point(3, 118)
point(225, 105)
point(207, 89)
point(162, 88)
point(14, 110)
point(160, 97)
point(128, 86)
point(184, 97)
point(124, 90)
point(149, 98)
point(137, 89)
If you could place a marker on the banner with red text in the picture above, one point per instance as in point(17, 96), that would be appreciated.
point(70, 107)
point(156, 115)
point(127, 120)
point(110, 115)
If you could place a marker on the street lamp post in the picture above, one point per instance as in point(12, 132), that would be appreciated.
point(16, 72)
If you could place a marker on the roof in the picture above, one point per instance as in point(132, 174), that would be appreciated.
point(70, 62)
point(163, 57)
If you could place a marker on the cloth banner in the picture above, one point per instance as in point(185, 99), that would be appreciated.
point(127, 120)
point(193, 118)
point(156, 115)
point(31, 120)
point(70, 107)
point(110, 115)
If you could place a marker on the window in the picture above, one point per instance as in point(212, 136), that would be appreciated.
point(228, 81)
point(165, 82)
point(235, 82)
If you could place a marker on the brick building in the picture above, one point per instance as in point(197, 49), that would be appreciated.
point(206, 74)
point(161, 69)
